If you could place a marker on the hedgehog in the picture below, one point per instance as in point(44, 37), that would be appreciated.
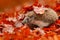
point(40, 21)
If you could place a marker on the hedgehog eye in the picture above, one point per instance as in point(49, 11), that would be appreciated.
point(46, 10)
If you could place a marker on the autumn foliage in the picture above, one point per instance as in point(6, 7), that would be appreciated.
point(24, 32)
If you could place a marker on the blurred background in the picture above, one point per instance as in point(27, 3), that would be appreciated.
point(10, 3)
